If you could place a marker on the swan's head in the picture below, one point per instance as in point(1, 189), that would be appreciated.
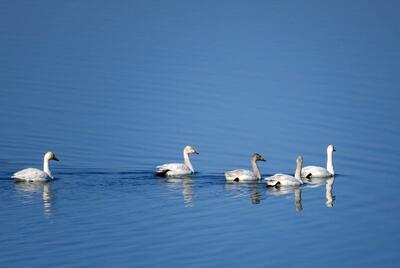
point(190, 150)
point(299, 159)
point(257, 157)
point(330, 148)
point(50, 156)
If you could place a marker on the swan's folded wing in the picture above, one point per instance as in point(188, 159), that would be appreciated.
point(276, 176)
point(274, 179)
point(174, 168)
point(307, 169)
point(30, 174)
point(281, 179)
point(314, 171)
point(240, 174)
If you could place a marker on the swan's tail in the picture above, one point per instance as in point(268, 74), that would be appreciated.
point(161, 172)
point(273, 183)
point(16, 176)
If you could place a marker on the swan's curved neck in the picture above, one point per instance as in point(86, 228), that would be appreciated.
point(187, 161)
point(297, 172)
point(256, 171)
point(46, 168)
point(329, 163)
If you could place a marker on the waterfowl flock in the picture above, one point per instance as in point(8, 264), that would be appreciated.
point(300, 175)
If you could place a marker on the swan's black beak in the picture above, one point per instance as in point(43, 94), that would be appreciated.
point(262, 159)
point(196, 153)
point(334, 149)
point(55, 158)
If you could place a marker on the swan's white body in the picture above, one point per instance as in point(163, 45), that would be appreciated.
point(280, 179)
point(283, 180)
point(244, 174)
point(320, 172)
point(240, 175)
point(174, 169)
point(178, 169)
point(34, 174)
point(315, 172)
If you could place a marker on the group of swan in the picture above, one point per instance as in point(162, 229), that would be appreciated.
point(179, 169)
point(243, 175)
point(280, 179)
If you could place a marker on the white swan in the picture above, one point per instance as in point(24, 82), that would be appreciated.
point(246, 175)
point(34, 174)
point(320, 172)
point(177, 169)
point(287, 180)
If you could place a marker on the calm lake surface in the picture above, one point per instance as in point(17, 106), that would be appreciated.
point(116, 88)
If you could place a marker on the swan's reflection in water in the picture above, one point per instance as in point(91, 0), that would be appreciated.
point(30, 189)
point(297, 199)
point(328, 182)
point(254, 191)
point(243, 189)
point(255, 196)
point(187, 191)
point(329, 194)
point(287, 190)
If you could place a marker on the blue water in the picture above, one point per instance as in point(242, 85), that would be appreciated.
point(116, 88)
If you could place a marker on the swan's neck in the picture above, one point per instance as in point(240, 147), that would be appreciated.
point(187, 161)
point(46, 168)
point(297, 172)
point(329, 163)
point(256, 171)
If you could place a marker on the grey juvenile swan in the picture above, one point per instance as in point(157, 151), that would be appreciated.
point(246, 175)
